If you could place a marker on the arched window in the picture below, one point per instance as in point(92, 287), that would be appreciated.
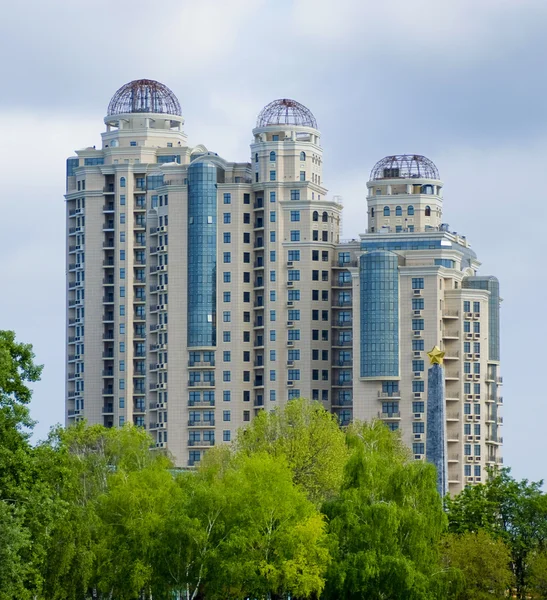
point(427, 189)
point(302, 156)
point(387, 212)
point(428, 211)
point(256, 157)
point(122, 181)
point(315, 215)
point(372, 212)
point(398, 211)
point(272, 156)
point(325, 217)
point(410, 211)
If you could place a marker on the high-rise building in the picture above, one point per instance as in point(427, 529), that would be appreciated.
point(201, 291)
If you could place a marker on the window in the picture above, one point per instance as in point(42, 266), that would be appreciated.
point(272, 275)
point(122, 181)
point(418, 407)
point(226, 316)
point(247, 218)
point(227, 218)
point(227, 237)
point(315, 216)
point(226, 396)
point(226, 435)
point(295, 235)
point(227, 198)
point(418, 427)
point(467, 326)
point(476, 327)
point(294, 315)
point(272, 335)
point(226, 376)
point(272, 315)
point(227, 356)
point(418, 345)
point(410, 211)
point(428, 211)
point(272, 216)
point(272, 175)
point(302, 175)
point(386, 211)
point(418, 386)
point(417, 365)
point(256, 157)
point(226, 415)
point(295, 194)
point(477, 307)
point(272, 196)
point(417, 324)
point(272, 375)
point(390, 408)
point(272, 395)
point(325, 217)
point(398, 211)
point(295, 215)
point(417, 283)
point(227, 257)
point(418, 448)
point(246, 415)
point(227, 276)
point(294, 255)
point(302, 156)
point(294, 374)
point(272, 156)
point(294, 295)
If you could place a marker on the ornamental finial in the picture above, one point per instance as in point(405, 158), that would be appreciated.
point(436, 356)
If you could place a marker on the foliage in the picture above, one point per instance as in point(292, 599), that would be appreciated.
point(510, 510)
point(309, 439)
point(484, 562)
point(386, 522)
point(538, 574)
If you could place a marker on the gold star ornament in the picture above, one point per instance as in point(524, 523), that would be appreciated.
point(436, 356)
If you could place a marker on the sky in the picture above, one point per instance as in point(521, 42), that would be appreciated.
point(462, 83)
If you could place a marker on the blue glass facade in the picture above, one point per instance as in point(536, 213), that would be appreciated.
point(491, 284)
point(379, 335)
point(71, 166)
point(202, 252)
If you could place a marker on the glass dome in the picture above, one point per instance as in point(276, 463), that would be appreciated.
point(286, 112)
point(144, 96)
point(404, 166)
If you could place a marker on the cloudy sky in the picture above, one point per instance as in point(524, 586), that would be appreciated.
point(462, 82)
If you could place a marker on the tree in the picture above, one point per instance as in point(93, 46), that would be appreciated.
point(310, 440)
point(484, 562)
point(274, 538)
point(513, 511)
point(386, 523)
point(538, 574)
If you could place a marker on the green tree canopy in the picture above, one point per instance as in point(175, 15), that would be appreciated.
point(310, 440)
point(510, 510)
point(483, 561)
point(386, 523)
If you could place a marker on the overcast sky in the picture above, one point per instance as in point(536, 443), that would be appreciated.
point(462, 82)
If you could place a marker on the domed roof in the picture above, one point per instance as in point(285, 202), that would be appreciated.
point(404, 166)
point(286, 112)
point(144, 96)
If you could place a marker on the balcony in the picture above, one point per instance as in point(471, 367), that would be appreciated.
point(204, 443)
point(210, 423)
point(343, 343)
point(344, 323)
point(341, 284)
point(201, 383)
point(451, 334)
point(396, 394)
point(342, 383)
point(389, 415)
point(108, 409)
point(451, 314)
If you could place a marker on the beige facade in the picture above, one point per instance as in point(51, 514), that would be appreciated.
point(284, 318)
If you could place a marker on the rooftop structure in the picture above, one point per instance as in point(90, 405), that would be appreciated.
point(286, 112)
point(404, 166)
point(144, 96)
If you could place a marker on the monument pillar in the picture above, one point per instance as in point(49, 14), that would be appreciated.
point(436, 448)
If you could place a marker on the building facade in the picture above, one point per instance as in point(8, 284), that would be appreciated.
point(201, 291)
